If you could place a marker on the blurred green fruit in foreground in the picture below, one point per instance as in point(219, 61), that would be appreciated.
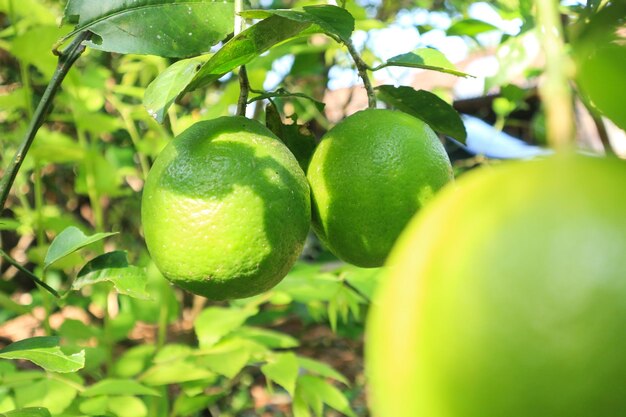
point(600, 55)
point(507, 297)
point(225, 209)
point(369, 175)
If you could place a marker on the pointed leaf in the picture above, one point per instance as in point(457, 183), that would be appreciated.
point(28, 412)
point(45, 352)
point(69, 241)
point(166, 28)
point(163, 91)
point(112, 386)
point(226, 358)
point(332, 20)
point(246, 46)
point(424, 105)
point(327, 393)
point(424, 58)
point(175, 373)
point(470, 27)
point(283, 370)
point(113, 267)
point(215, 322)
point(321, 369)
point(269, 338)
point(299, 406)
point(127, 406)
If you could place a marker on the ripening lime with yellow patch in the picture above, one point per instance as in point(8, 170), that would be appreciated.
point(226, 209)
point(506, 297)
point(369, 175)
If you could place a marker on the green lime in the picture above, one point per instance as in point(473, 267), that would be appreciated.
point(369, 175)
point(225, 209)
point(507, 297)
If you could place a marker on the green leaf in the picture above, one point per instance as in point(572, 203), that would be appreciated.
point(133, 361)
point(332, 20)
point(127, 406)
point(469, 27)
point(56, 147)
point(28, 412)
point(215, 322)
point(69, 241)
point(76, 330)
point(283, 370)
point(313, 386)
point(163, 91)
point(424, 58)
point(111, 386)
point(175, 29)
point(94, 406)
point(299, 405)
point(321, 369)
point(426, 106)
point(246, 46)
point(55, 393)
point(45, 352)
point(226, 358)
point(113, 267)
point(34, 47)
point(269, 338)
point(173, 352)
point(186, 406)
point(297, 138)
point(175, 373)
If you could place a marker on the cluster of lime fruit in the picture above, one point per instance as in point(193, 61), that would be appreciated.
point(226, 207)
point(505, 296)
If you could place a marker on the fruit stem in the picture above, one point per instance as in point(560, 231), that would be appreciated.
point(244, 83)
point(555, 90)
point(66, 60)
point(362, 68)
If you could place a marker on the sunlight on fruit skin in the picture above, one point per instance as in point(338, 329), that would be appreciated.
point(225, 209)
point(368, 176)
point(507, 297)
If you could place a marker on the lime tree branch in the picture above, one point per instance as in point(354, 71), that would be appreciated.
point(362, 68)
point(32, 276)
point(66, 60)
point(555, 90)
point(244, 83)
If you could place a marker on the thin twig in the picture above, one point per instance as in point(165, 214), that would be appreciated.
point(357, 291)
point(244, 83)
point(32, 276)
point(66, 60)
point(244, 89)
point(600, 127)
point(362, 68)
point(602, 133)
